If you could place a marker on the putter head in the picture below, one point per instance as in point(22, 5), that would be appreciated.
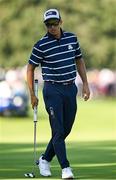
point(37, 162)
point(29, 175)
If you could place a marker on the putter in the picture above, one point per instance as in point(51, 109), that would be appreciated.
point(32, 174)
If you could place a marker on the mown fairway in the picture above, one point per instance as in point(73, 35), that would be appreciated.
point(91, 146)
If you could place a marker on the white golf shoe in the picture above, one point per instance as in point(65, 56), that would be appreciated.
point(44, 167)
point(67, 173)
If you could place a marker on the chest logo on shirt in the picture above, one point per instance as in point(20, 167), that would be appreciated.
point(70, 47)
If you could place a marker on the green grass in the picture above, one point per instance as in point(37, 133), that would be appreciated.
point(91, 146)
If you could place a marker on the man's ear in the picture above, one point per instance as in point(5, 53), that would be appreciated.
point(60, 22)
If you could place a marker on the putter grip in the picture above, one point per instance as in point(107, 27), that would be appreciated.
point(36, 94)
point(36, 87)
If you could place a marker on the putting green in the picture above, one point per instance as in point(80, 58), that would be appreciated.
point(91, 146)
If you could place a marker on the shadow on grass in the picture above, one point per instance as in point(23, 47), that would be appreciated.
point(89, 160)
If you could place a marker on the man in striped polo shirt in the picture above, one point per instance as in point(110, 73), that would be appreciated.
point(60, 57)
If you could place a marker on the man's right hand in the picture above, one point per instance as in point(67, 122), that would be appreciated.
point(34, 101)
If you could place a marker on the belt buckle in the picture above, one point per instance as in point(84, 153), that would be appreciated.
point(52, 82)
point(65, 83)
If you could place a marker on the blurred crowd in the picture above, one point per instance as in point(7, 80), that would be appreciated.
point(13, 93)
point(14, 78)
point(101, 82)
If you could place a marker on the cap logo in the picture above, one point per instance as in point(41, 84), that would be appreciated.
point(50, 13)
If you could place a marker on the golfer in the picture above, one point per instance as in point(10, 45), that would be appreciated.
point(59, 55)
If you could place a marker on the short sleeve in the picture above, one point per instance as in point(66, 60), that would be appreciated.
point(36, 55)
point(78, 53)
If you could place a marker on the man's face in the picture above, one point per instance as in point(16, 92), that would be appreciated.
point(53, 26)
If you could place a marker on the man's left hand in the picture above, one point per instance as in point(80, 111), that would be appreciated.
point(85, 91)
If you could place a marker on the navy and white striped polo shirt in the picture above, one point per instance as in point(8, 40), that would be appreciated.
point(57, 57)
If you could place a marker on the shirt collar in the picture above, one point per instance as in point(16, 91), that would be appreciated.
point(51, 36)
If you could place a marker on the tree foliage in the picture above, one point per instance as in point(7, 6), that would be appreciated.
point(93, 21)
